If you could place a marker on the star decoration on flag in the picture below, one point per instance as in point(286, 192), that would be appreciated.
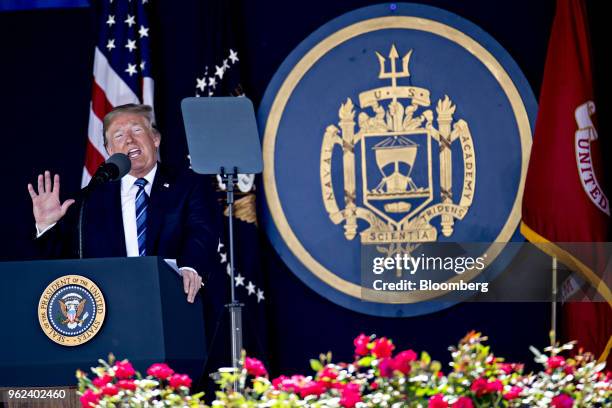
point(212, 82)
point(250, 288)
point(111, 20)
point(143, 31)
point(142, 65)
point(260, 295)
point(130, 20)
point(239, 280)
point(219, 71)
point(131, 69)
point(233, 56)
point(201, 84)
point(111, 44)
point(131, 45)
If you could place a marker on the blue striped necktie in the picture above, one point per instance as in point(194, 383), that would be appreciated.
point(142, 202)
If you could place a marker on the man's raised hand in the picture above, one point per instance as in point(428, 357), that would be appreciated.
point(46, 203)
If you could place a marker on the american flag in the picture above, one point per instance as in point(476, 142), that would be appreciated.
point(122, 70)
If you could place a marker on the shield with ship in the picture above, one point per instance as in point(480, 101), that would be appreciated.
point(397, 174)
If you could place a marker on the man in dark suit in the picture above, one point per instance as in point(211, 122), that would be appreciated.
point(150, 211)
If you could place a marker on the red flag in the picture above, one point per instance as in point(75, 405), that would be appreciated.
point(564, 199)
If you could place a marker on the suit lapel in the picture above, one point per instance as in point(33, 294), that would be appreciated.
point(117, 219)
point(160, 196)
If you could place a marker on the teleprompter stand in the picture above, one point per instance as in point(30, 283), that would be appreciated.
point(222, 135)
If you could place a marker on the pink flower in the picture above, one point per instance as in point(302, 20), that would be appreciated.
point(284, 383)
point(255, 367)
point(127, 385)
point(277, 382)
point(328, 374)
point(437, 401)
point(124, 370)
point(161, 371)
point(464, 402)
point(479, 387)
point(361, 345)
point(562, 401)
point(494, 386)
point(386, 367)
point(350, 395)
point(89, 399)
point(374, 386)
point(382, 348)
point(312, 388)
point(109, 390)
point(102, 381)
point(402, 361)
point(509, 368)
point(555, 362)
point(514, 393)
point(180, 380)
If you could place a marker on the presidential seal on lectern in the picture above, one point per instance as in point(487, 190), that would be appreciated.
point(71, 310)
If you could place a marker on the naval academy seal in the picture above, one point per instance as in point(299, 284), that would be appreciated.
point(389, 128)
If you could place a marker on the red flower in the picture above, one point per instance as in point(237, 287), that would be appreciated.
point(328, 374)
point(464, 402)
point(102, 381)
point(278, 381)
point(127, 385)
point(479, 387)
point(312, 388)
point(514, 393)
point(255, 367)
point(402, 361)
point(383, 348)
point(494, 386)
point(350, 396)
point(284, 383)
point(562, 401)
point(437, 401)
point(178, 380)
point(509, 368)
point(89, 399)
point(374, 386)
point(386, 367)
point(555, 362)
point(568, 369)
point(161, 371)
point(124, 370)
point(109, 390)
point(361, 345)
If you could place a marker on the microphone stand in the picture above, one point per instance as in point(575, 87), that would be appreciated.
point(84, 193)
point(234, 307)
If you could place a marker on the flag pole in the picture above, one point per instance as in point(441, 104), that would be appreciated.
point(553, 309)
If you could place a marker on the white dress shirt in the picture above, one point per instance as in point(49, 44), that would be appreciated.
point(128, 208)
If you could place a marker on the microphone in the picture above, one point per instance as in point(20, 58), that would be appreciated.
point(115, 167)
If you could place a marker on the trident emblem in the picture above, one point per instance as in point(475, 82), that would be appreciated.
point(393, 56)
